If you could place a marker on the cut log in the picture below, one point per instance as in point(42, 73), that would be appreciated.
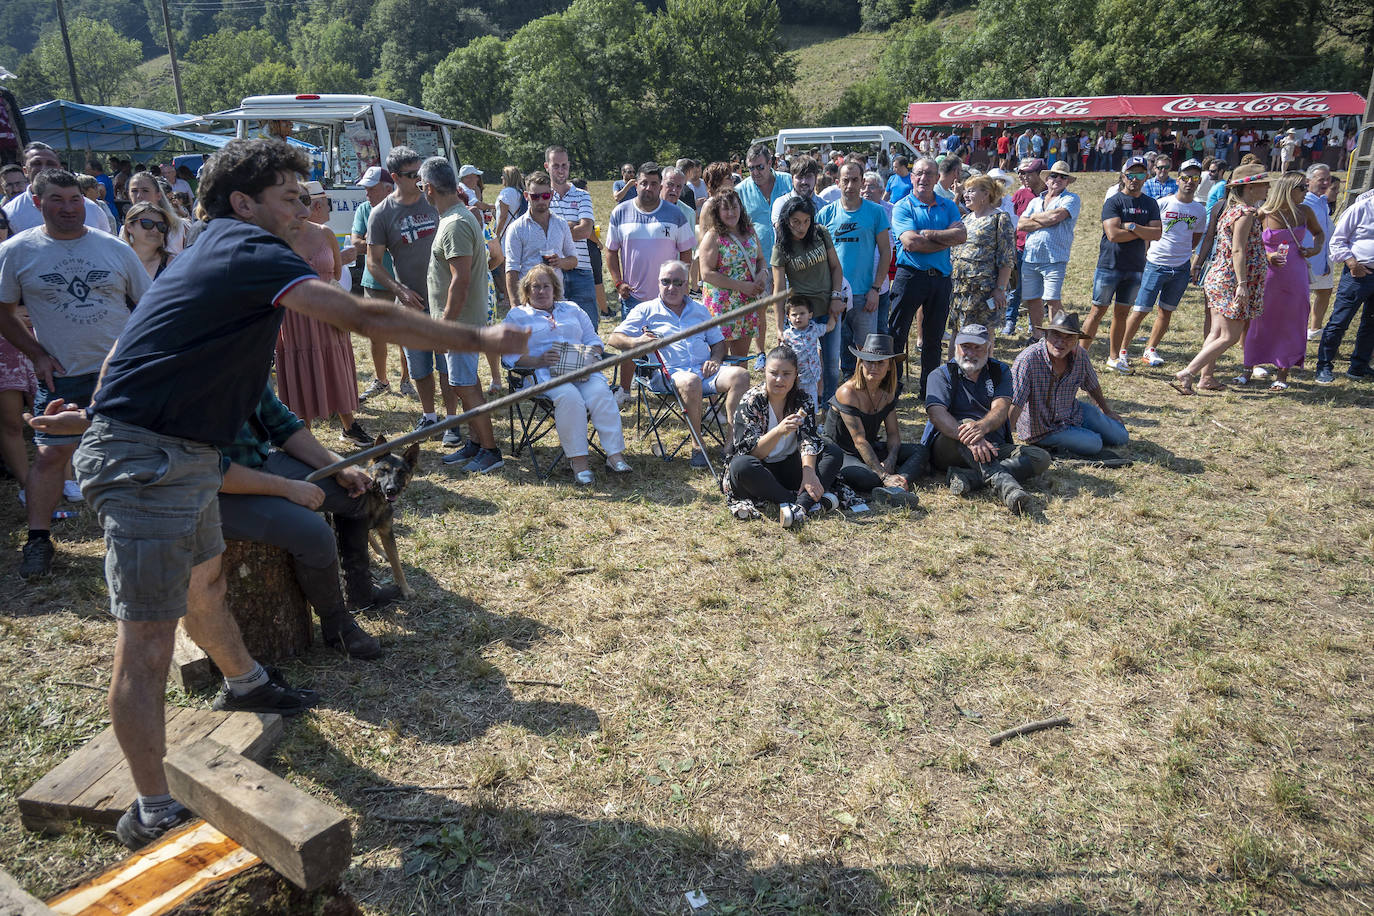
point(15, 901)
point(304, 839)
point(266, 601)
point(192, 669)
point(94, 784)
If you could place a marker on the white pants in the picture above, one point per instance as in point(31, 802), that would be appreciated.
point(574, 403)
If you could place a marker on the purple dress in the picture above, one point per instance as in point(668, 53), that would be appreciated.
point(1278, 336)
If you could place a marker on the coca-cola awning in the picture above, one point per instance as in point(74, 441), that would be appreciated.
point(1274, 106)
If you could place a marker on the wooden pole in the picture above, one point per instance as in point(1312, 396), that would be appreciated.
point(172, 53)
point(67, 44)
point(644, 349)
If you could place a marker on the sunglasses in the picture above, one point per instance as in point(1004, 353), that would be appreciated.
point(411, 175)
point(671, 281)
point(1136, 176)
point(758, 168)
point(545, 195)
point(1053, 175)
point(146, 223)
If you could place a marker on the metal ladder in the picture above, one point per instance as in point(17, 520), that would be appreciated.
point(1359, 176)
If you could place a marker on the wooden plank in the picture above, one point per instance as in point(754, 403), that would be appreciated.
point(15, 901)
point(94, 784)
point(191, 668)
point(305, 840)
point(159, 877)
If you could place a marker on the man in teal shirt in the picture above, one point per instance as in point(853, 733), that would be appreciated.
point(759, 191)
point(378, 185)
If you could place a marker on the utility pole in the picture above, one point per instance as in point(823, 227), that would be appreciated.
point(171, 52)
point(67, 44)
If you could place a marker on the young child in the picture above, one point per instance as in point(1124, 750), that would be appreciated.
point(805, 338)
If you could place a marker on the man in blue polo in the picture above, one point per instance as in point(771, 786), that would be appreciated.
point(927, 226)
point(760, 191)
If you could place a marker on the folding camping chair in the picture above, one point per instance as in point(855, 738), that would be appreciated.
point(656, 409)
point(532, 421)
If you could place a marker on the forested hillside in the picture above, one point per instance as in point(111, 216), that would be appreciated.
point(615, 79)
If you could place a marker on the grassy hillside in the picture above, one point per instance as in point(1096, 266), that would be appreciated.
point(828, 60)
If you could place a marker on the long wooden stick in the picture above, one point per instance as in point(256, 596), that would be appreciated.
point(1028, 728)
point(609, 362)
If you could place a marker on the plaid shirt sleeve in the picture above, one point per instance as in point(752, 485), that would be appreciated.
point(249, 448)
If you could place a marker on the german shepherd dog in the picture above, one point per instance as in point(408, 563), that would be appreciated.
point(390, 476)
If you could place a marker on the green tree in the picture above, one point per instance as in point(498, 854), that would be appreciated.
point(710, 94)
point(218, 67)
point(414, 36)
point(472, 85)
point(104, 59)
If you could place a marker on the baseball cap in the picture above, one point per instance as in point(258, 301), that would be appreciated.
point(1135, 162)
point(973, 333)
point(1031, 165)
point(313, 188)
point(373, 177)
point(1190, 164)
point(467, 170)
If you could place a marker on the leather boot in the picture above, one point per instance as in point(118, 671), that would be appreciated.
point(1009, 489)
point(339, 629)
point(963, 481)
point(362, 593)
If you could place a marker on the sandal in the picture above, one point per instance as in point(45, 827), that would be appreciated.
point(1277, 385)
point(1183, 383)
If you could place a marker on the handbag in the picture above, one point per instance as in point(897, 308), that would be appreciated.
point(571, 357)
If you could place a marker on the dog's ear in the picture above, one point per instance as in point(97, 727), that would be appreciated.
point(381, 440)
point(412, 454)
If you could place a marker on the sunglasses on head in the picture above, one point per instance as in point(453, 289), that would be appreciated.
point(543, 195)
point(146, 223)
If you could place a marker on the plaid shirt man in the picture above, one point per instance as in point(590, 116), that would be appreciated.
point(271, 424)
point(1051, 402)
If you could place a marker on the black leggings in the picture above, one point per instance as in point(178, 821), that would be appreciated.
point(911, 459)
point(778, 481)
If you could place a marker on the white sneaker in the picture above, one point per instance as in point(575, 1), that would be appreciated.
point(622, 397)
point(71, 490)
point(1259, 372)
point(1121, 364)
point(1151, 357)
point(1315, 334)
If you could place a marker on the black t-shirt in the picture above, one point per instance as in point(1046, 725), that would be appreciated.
point(970, 400)
point(194, 358)
point(1127, 256)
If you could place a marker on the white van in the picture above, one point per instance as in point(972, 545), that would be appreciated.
point(351, 132)
point(849, 139)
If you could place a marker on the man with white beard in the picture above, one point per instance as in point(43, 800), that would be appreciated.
point(968, 400)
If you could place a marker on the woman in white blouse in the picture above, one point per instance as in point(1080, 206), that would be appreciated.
point(554, 325)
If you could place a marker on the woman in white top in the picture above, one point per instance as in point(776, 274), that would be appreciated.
point(144, 187)
point(553, 325)
point(510, 201)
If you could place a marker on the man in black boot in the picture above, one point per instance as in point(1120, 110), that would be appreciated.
point(968, 400)
point(362, 592)
point(266, 498)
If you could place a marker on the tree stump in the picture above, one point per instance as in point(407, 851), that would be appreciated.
point(265, 599)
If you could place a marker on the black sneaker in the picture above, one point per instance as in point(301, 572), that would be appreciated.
point(487, 460)
point(274, 696)
point(463, 455)
point(133, 833)
point(425, 423)
point(37, 561)
point(377, 387)
point(357, 435)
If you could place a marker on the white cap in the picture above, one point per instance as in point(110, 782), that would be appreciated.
point(373, 177)
point(467, 170)
point(313, 188)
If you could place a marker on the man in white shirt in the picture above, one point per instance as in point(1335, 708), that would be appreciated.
point(539, 236)
point(574, 205)
point(1168, 260)
point(1352, 244)
point(1322, 274)
point(23, 210)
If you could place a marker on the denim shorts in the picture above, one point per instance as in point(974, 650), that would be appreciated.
point(156, 498)
point(421, 362)
point(658, 384)
point(1167, 284)
point(1125, 284)
point(1043, 281)
point(462, 370)
point(74, 389)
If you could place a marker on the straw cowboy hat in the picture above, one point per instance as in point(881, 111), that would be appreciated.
point(1060, 168)
point(1249, 174)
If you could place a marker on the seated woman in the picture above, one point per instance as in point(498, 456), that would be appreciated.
point(779, 457)
point(866, 401)
point(554, 325)
point(145, 229)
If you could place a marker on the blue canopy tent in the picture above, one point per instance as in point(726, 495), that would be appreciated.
point(70, 126)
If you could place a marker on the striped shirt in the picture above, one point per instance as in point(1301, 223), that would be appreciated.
point(1050, 402)
point(574, 206)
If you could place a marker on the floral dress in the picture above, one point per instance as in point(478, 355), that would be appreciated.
point(736, 261)
point(1220, 283)
point(991, 246)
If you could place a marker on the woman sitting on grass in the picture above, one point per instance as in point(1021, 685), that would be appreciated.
point(779, 457)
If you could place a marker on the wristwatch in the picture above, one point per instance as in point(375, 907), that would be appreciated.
point(1130, 227)
point(836, 294)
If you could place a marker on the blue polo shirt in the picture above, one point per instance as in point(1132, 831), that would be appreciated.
point(898, 186)
point(760, 208)
point(911, 215)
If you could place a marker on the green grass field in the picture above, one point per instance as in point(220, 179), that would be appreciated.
point(622, 694)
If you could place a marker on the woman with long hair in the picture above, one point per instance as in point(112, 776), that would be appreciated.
point(866, 405)
point(1234, 283)
point(510, 203)
point(1278, 335)
point(145, 188)
point(732, 269)
point(145, 229)
point(316, 375)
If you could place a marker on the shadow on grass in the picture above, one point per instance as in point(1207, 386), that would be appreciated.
point(1147, 450)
